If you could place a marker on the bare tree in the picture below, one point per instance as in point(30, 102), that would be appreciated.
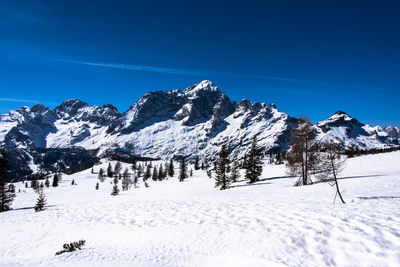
point(330, 165)
point(302, 156)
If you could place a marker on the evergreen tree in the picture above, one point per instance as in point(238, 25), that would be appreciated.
point(160, 173)
point(182, 170)
point(6, 193)
point(101, 176)
point(55, 180)
point(135, 179)
point(221, 174)
point(171, 171)
point(126, 180)
point(109, 170)
point(41, 185)
point(47, 183)
point(206, 165)
point(166, 166)
point(244, 162)
point(202, 165)
point(41, 201)
point(115, 190)
point(26, 184)
point(34, 184)
point(117, 168)
point(97, 186)
point(254, 162)
point(235, 171)
point(191, 172)
point(139, 170)
point(92, 170)
point(147, 174)
point(73, 182)
point(196, 163)
point(155, 174)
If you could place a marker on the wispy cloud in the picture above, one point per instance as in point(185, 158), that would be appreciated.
point(26, 101)
point(203, 73)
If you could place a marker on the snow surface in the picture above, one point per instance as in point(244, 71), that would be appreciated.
point(270, 223)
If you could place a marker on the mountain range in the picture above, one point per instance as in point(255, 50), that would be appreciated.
point(166, 125)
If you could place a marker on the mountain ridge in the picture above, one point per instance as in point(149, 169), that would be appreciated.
point(171, 124)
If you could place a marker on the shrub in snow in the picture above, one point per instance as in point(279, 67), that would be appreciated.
point(41, 201)
point(72, 246)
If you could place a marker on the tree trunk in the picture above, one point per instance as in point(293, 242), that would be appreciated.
point(336, 183)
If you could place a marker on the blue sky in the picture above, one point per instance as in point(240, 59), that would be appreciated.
point(308, 57)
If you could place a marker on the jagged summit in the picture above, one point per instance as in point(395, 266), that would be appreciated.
point(166, 124)
point(339, 118)
point(205, 85)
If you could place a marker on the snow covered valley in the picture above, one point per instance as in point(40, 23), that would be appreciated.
point(191, 223)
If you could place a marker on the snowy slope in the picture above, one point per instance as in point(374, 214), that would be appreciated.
point(192, 223)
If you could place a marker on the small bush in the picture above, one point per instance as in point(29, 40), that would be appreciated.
point(72, 246)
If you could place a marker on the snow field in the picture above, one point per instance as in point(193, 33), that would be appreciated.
point(270, 223)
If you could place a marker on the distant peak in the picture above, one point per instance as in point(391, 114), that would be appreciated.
point(340, 112)
point(205, 85)
point(74, 102)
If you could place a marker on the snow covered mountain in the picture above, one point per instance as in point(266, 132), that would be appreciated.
point(350, 133)
point(163, 124)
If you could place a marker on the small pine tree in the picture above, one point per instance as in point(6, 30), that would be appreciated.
point(196, 163)
point(109, 170)
point(47, 183)
point(73, 182)
point(160, 173)
point(139, 170)
point(6, 193)
point(244, 162)
point(115, 190)
point(101, 176)
point(126, 181)
point(202, 165)
point(221, 174)
point(191, 172)
point(34, 184)
point(118, 168)
point(92, 170)
point(235, 174)
point(41, 201)
point(155, 174)
point(26, 184)
point(182, 170)
point(171, 171)
point(97, 186)
point(254, 162)
point(55, 180)
point(147, 174)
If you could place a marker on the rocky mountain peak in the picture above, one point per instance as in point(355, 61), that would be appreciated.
point(201, 88)
point(70, 108)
